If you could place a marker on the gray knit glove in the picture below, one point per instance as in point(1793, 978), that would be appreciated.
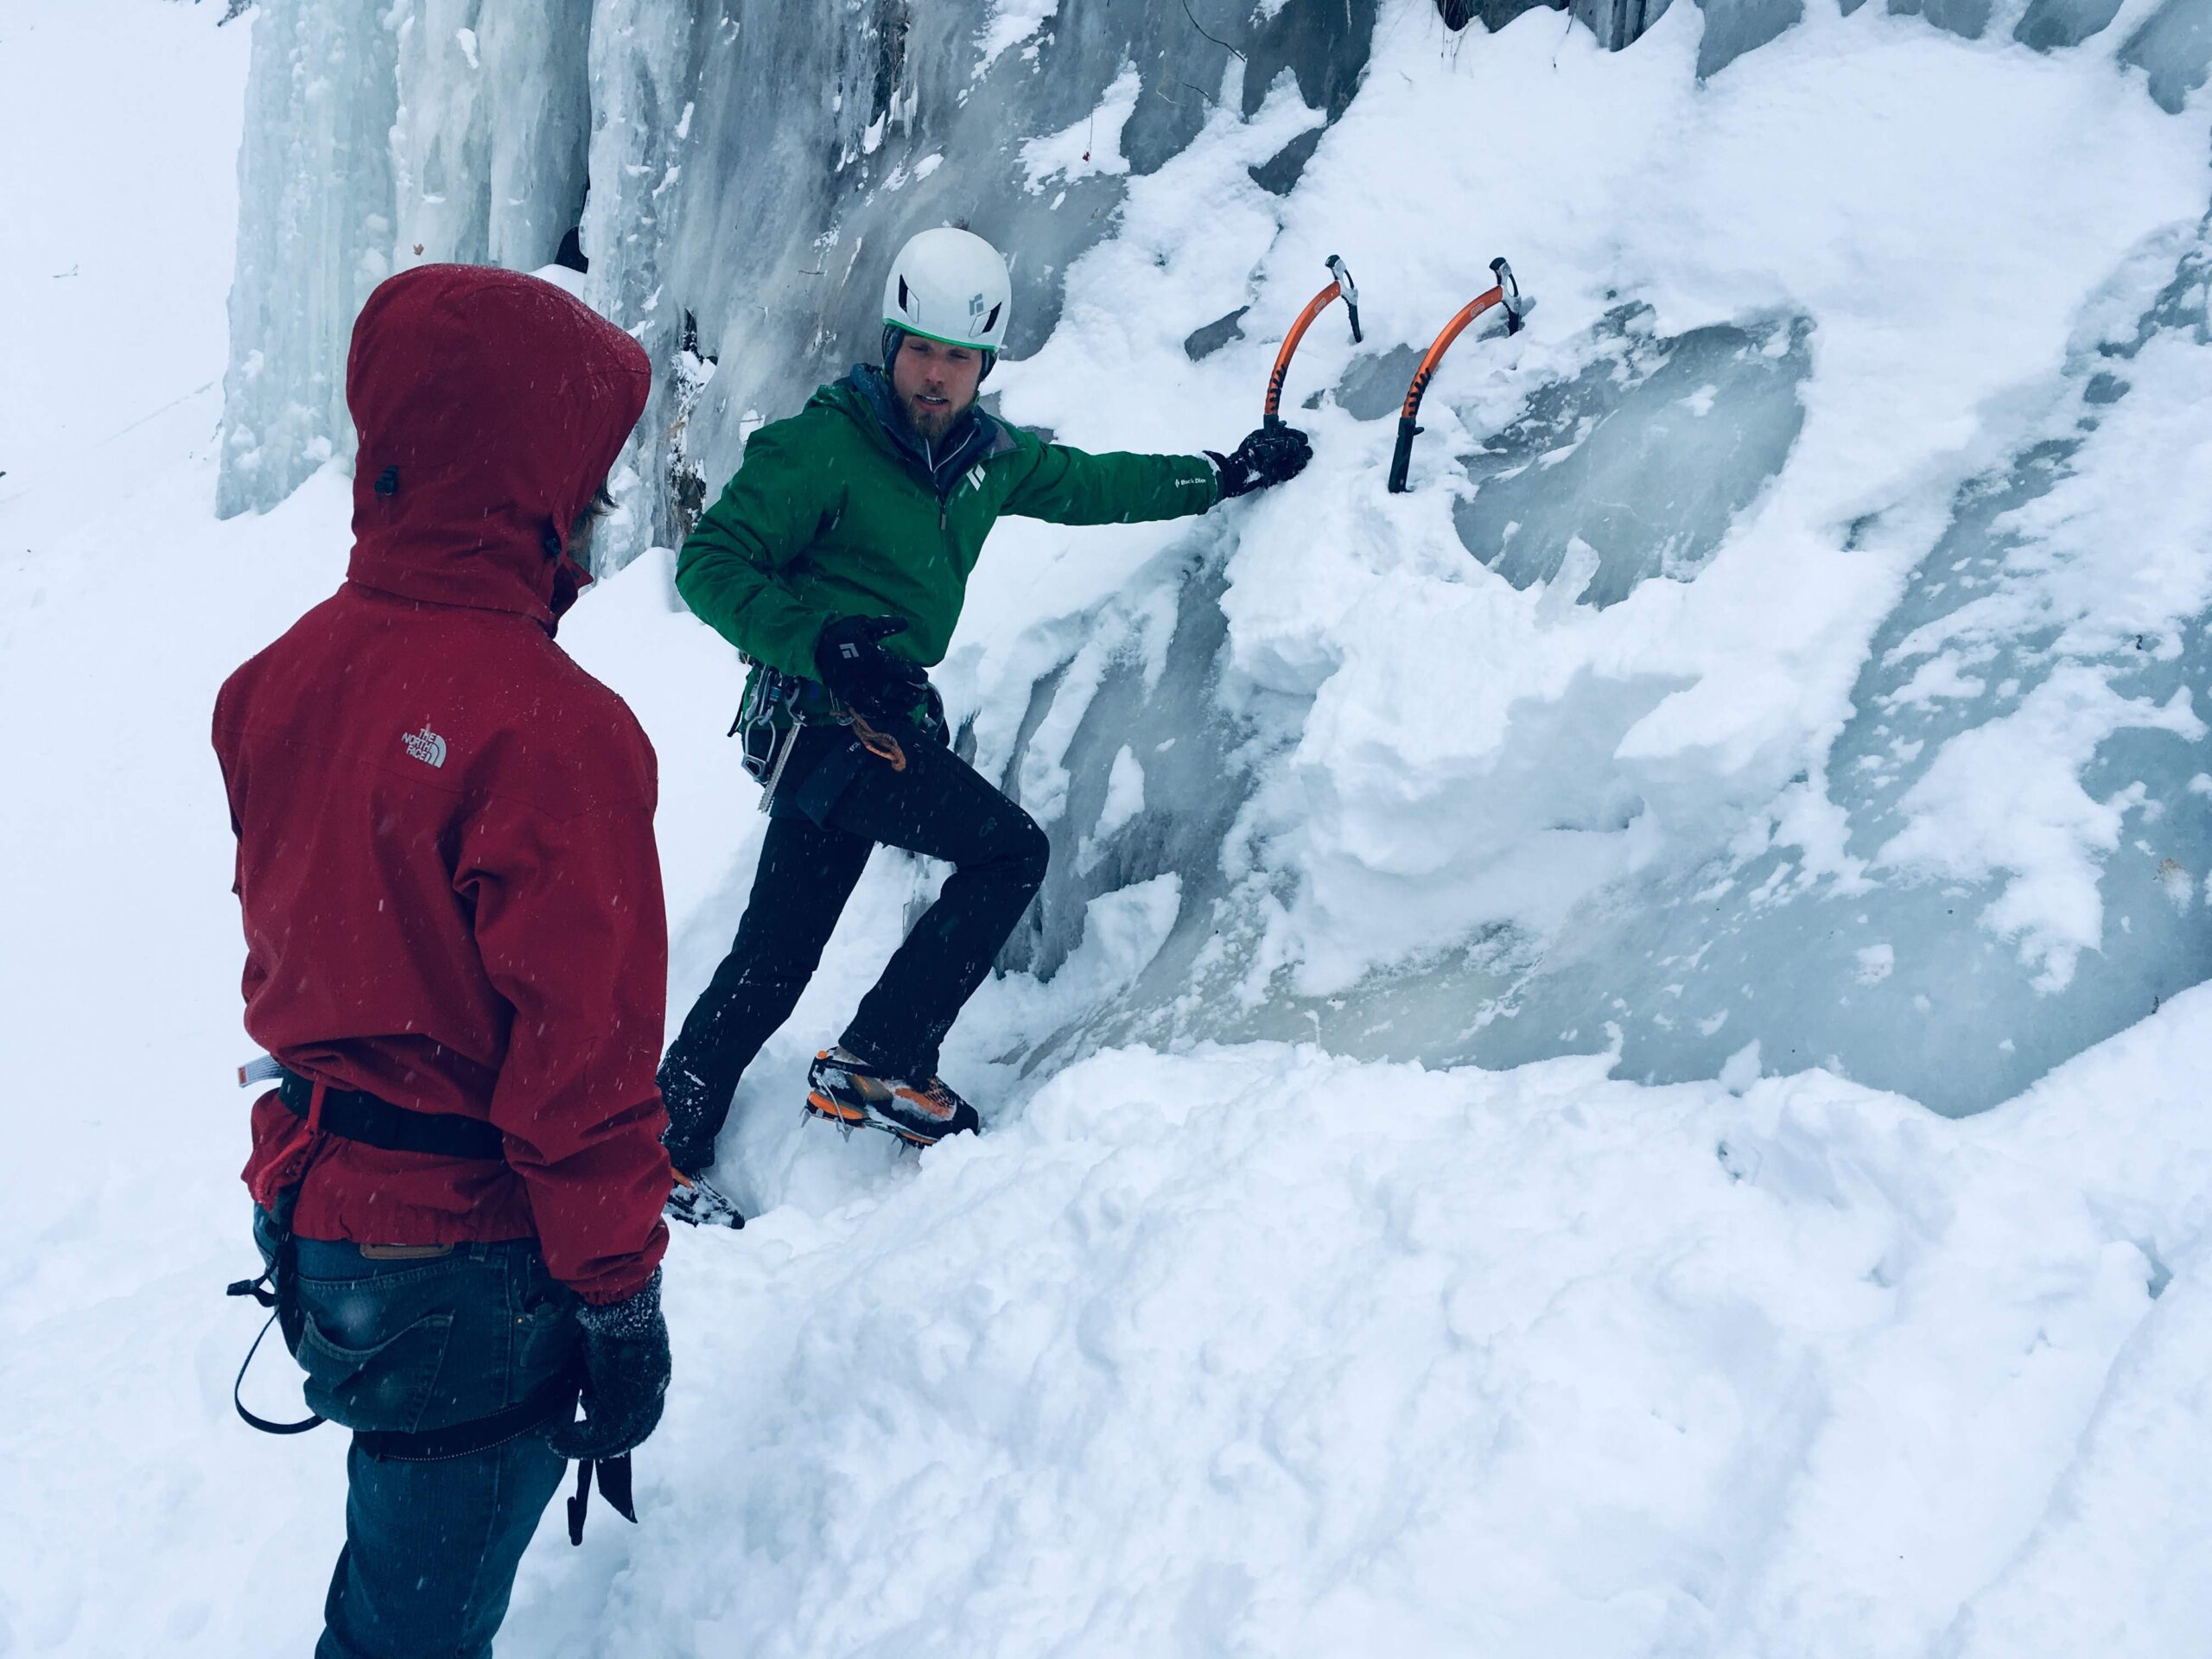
point(625, 1376)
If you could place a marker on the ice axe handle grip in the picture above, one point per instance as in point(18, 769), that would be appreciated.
point(1402, 457)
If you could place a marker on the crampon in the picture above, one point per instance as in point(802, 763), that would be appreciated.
point(854, 1095)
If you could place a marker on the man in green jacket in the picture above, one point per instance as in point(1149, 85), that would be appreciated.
point(837, 560)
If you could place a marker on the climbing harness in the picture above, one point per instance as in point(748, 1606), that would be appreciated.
point(778, 707)
point(336, 1115)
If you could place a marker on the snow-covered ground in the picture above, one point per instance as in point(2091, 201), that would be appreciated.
point(1245, 1347)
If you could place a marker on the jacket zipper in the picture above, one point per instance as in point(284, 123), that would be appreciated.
point(928, 463)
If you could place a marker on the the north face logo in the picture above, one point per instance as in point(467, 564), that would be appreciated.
point(425, 745)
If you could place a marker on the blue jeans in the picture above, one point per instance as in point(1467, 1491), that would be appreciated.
point(417, 1344)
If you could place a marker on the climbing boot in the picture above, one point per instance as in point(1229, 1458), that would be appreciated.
point(852, 1093)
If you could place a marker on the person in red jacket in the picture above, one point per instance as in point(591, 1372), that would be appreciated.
point(457, 953)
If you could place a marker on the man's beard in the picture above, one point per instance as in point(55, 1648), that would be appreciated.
point(929, 424)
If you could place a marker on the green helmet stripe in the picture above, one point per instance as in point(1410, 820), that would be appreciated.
point(904, 327)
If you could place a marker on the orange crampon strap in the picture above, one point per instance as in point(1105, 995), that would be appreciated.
point(881, 745)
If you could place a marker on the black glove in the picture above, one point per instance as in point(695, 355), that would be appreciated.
point(850, 659)
point(697, 1202)
point(625, 1377)
point(1269, 455)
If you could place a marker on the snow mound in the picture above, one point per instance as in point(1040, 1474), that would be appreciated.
point(1256, 1350)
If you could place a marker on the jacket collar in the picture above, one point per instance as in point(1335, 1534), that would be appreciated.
point(975, 437)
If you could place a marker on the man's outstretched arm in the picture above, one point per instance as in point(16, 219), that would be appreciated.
point(1069, 487)
point(1073, 486)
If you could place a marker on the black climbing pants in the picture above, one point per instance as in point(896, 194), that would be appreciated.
point(938, 806)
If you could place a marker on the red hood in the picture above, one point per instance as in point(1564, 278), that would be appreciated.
point(490, 405)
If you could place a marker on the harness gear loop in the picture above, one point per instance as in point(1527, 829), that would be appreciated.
point(267, 1297)
point(275, 1290)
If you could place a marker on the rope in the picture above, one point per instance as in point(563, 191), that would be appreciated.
point(881, 745)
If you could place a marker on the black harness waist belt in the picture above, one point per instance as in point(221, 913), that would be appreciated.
point(352, 1115)
point(554, 1401)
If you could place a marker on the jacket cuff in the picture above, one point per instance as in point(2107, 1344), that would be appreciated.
point(618, 1284)
point(630, 1316)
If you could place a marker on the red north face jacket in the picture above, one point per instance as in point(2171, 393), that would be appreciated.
point(446, 861)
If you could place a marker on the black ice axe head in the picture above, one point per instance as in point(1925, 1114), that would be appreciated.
point(1511, 292)
point(1342, 272)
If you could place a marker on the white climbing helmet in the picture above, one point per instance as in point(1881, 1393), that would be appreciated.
point(951, 286)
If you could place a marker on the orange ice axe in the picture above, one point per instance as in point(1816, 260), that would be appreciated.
point(1506, 293)
point(1341, 288)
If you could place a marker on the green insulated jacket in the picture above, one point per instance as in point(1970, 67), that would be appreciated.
point(832, 515)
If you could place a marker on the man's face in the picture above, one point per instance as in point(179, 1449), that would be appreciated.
point(935, 383)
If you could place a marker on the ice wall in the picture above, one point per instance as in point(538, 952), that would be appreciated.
point(1996, 857)
point(314, 236)
point(742, 161)
point(1639, 465)
point(2174, 49)
point(2026, 817)
point(488, 138)
point(471, 130)
point(379, 137)
point(2005, 858)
